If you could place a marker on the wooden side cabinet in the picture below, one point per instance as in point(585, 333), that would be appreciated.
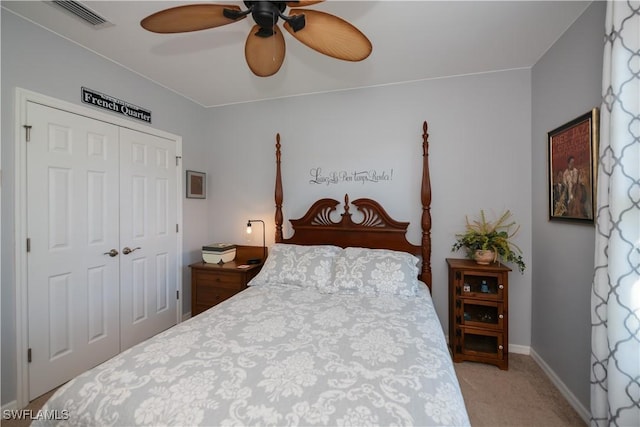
point(478, 312)
point(213, 283)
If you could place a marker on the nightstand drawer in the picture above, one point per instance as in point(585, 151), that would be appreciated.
point(220, 280)
point(209, 296)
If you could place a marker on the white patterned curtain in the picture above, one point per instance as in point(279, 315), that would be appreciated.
point(615, 298)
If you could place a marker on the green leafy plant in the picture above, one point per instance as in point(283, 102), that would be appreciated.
point(482, 234)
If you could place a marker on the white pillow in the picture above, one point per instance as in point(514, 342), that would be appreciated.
point(374, 272)
point(298, 265)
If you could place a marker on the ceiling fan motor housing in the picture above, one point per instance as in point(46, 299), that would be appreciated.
point(266, 14)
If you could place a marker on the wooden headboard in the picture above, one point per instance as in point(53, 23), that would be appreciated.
point(377, 230)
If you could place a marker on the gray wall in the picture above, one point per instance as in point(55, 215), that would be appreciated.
point(35, 59)
point(566, 83)
point(479, 130)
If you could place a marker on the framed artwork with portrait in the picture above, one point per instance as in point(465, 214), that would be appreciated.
point(573, 162)
point(196, 185)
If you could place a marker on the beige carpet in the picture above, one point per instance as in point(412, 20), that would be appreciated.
point(523, 396)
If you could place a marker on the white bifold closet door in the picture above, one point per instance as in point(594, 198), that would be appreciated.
point(148, 212)
point(101, 219)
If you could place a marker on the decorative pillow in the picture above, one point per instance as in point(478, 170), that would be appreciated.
point(298, 265)
point(374, 272)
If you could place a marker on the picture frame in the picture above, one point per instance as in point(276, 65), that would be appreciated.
point(196, 185)
point(572, 166)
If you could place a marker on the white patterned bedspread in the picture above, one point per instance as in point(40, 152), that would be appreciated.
point(280, 355)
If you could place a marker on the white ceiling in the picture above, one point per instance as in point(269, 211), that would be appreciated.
point(412, 40)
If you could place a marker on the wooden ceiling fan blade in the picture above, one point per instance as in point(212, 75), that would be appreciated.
point(188, 18)
point(264, 55)
point(331, 36)
point(303, 3)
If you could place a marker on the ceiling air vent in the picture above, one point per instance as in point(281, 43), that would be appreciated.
point(82, 12)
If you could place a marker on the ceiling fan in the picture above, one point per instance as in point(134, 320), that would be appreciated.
point(265, 47)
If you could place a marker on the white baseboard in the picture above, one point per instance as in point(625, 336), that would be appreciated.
point(520, 349)
point(584, 413)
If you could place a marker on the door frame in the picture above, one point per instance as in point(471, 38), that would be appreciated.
point(22, 98)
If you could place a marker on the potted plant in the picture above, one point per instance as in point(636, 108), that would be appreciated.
point(491, 239)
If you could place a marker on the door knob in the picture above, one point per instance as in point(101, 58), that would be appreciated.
point(112, 253)
point(127, 250)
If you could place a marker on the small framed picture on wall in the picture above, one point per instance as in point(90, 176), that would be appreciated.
point(196, 185)
point(573, 162)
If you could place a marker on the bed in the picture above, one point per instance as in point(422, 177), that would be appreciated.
point(338, 328)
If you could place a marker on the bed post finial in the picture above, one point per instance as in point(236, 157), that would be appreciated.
point(278, 195)
point(425, 196)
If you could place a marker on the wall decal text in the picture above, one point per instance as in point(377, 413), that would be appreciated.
point(318, 176)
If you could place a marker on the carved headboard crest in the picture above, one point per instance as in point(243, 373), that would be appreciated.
point(374, 215)
point(376, 229)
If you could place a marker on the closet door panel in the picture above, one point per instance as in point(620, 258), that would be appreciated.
point(148, 218)
point(72, 223)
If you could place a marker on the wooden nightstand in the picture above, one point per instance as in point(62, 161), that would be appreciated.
point(213, 283)
point(478, 312)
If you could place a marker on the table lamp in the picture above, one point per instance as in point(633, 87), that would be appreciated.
point(264, 247)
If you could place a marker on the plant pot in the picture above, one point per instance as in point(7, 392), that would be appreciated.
point(484, 257)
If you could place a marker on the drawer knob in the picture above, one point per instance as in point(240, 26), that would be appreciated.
point(500, 347)
point(501, 286)
point(501, 316)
